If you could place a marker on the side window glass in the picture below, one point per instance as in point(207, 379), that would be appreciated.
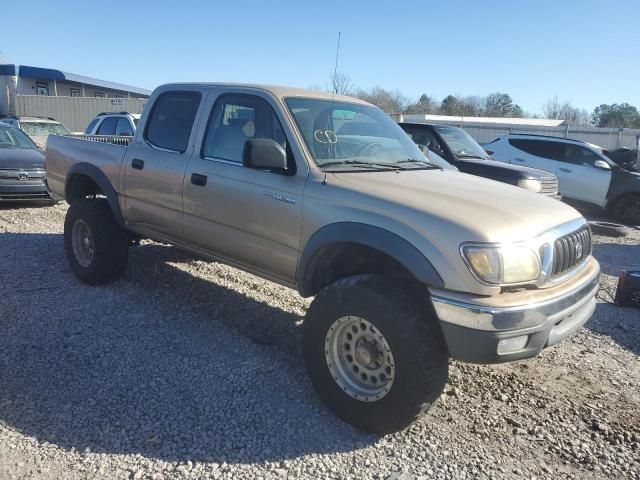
point(108, 126)
point(91, 126)
point(171, 120)
point(236, 119)
point(539, 148)
point(580, 155)
point(124, 127)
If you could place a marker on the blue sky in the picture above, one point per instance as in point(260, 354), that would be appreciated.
point(586, 52)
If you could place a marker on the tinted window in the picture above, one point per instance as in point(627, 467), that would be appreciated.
point(108, 126)
point(422, 136)
point(91, 126)
point(171, 120)
point(234, 120)
point(539, 148)
point(124, 127)
point(579, 155)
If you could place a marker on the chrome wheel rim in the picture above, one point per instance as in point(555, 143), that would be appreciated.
point(82, 243)
point(359, 358)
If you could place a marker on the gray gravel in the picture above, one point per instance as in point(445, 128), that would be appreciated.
point(187, 369)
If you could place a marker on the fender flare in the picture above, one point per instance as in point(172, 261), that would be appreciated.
point(374, 237)
point(98, 176)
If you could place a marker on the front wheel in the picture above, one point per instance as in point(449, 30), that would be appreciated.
point(374, 352)
point(627, 209)
point(96, 246)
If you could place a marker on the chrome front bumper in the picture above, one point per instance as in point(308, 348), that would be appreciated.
point(488, 334)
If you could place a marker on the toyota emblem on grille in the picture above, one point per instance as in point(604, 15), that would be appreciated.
point(578, 247)
point(23, 176)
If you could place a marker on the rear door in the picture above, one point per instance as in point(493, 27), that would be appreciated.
point(156, 161)
point(248, 216)
point(535, 153)
point(578, 178)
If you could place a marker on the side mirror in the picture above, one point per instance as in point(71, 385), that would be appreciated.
point(264, 154)
point(602, 165)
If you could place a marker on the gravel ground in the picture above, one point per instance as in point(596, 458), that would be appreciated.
point(187, 369)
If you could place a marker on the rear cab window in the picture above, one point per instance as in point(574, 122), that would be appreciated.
point(108, 126)
point(171, 120)
point(91, 126)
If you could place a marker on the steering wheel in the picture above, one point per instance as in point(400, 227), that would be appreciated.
point(375, 148)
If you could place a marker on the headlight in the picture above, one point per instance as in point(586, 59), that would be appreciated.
point(530, 184)
point(507, 264)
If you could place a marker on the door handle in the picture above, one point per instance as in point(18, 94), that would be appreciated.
point(565, 169)
point(198, 179)
point(137, 164)
point(519, 159)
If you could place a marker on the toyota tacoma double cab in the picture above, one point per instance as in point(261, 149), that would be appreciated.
point(410, 264)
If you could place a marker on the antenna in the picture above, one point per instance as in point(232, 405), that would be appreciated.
point(333, 93)
point(335, 68)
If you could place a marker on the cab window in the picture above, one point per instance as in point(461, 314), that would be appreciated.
point(579, 155)
point(171, 120)
point(235, 119)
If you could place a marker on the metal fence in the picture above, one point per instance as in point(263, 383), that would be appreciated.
point(74, 112)
point(608, 138)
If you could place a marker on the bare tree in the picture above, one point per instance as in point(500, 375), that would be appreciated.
point(340, 83)
point(3, 58)
point(556, 109)
point(390, 101)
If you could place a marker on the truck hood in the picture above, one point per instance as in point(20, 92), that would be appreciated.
point(477, 208)
point(499, 169)
point(21, 158)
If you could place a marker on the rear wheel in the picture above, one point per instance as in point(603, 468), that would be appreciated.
point(96, 246)
point(627, 209)
point(374, 352)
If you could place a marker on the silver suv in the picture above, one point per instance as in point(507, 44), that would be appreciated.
point(122, 124)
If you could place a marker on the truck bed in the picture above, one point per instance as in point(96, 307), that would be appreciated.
point(63, 152)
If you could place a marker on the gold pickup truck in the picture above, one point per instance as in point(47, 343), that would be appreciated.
point(411, 262)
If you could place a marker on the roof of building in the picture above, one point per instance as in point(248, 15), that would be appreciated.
point(39, 73)
point(541, 122)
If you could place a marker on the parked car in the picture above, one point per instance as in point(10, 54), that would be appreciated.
point(113, 123)
point(38, 128)
point(462, 151)
point(409, 264)
point(585, 174)
point(22, 172)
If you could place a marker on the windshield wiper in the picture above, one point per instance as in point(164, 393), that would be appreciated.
point(465, 155)
point(423, 163)
point(355, 163)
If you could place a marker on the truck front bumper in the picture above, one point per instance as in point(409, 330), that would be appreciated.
point(479, 332)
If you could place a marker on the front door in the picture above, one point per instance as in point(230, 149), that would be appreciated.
point(578, 178)
point(155, 164)
point(247, 216)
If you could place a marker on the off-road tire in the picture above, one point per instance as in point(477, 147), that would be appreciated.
point(110, 242)
point(408, 323)
point(627, 209)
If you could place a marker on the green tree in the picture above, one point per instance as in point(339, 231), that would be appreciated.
point(616, 115)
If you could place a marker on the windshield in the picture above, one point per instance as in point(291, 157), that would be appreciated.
point(14, 138)
point(37, 129)
point(340, 134)
point(461, 143)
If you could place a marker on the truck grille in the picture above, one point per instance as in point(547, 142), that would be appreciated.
point(571, 250)
point(549, 185)
point(14, 174)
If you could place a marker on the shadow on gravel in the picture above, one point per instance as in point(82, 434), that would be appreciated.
point(145, 365)
point(622, 325)
point(614, 257)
